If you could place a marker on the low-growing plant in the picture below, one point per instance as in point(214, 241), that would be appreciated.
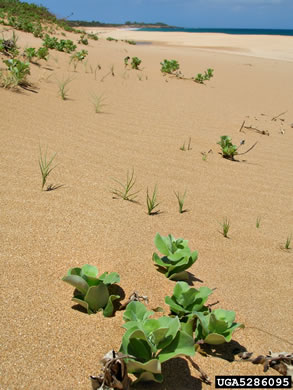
point(130, 42)
point(135, 62)
point(93, 36)
point(65, 45)
point(46, 167)
point(78, 57)
point(126, 59)
point(177, 257)
point(112, 39)
point(216, 327)
point(30, 53)
point(200, 78)
point(258, 219)
point(42, 53)
point(187, 301)
point(63, 87)
point(92, 292)
point(18, 71)
point(208, 74)
point(152, 202)
point(228, 149)
point(169, 66)
point(83, 40)
point(126, 189)
point(152, 342)
point(180, 199)
point(211, 327)
point(225, 226)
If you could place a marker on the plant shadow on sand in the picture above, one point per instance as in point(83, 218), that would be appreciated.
point(190, 277)
point(177, 376)
point(114, 289)
point(226, 351)
point(53, 187)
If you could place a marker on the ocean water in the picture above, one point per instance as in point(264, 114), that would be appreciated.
point(237, 31)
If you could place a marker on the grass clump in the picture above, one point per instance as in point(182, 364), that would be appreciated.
point(45, 167)
point(225, 227)
point(257, 224)
point(180, 199)
point(63, 88)
point(152, 201)
point(126, 189)
point(183, 148)
point(78, 57)
point(97, 101)
point(288, 242)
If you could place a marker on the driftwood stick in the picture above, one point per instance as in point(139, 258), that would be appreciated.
point(276, 117)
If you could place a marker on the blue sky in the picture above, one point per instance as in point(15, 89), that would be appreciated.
point(185, 13)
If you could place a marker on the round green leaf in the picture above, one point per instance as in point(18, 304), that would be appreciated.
point(97, 297)
point(77, 282)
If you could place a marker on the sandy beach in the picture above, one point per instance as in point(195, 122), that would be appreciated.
point(146, 117)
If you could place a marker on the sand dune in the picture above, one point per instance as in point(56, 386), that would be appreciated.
point(45, 344)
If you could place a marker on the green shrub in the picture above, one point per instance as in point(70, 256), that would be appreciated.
point(169, 66)
point(91, 292)
point(135, 62)
point(177, 257)
point(152, 342)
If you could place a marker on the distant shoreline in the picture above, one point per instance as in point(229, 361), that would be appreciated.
point(231, 31)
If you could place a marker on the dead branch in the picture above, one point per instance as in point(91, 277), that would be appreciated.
point(134, 297)
point(264, 132)
point(240, 154)
point(241, 128)
point(276, 117)
point(203, 376)
point(281, 361)
point(114, 373)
